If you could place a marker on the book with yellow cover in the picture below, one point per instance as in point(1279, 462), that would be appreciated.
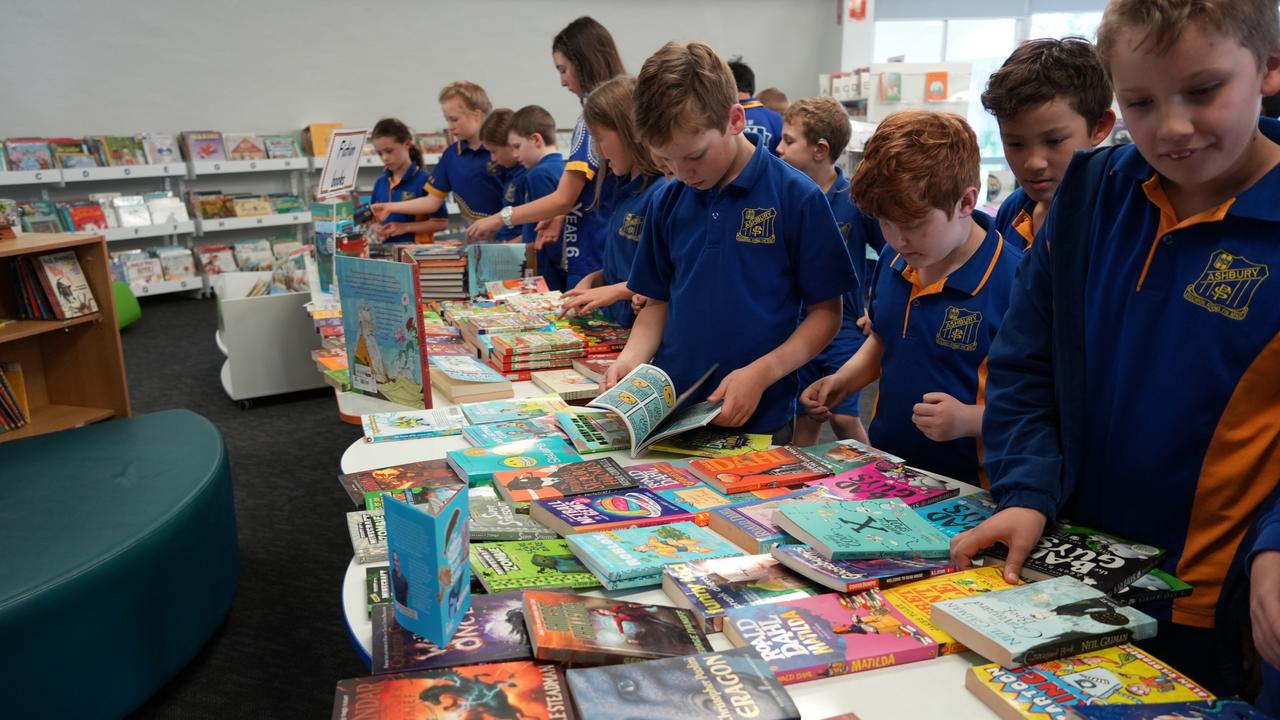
point(915, 599)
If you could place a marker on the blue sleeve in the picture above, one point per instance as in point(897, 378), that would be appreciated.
point(381, 190)
point(538, 185)
point(421, 190)
point(881, 266)
point(438, 182)
point(652, 270)
point(818, 253)
point(1268, 533)
point(1021, 430)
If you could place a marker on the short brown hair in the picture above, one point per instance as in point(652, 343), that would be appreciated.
point(916, 161)
point(533, 120)
point(821, 118)
point(774, 99)
point(472, 95)
point(1255, 24)
point(683, 87)
point(1047, 68)
point(496, 125)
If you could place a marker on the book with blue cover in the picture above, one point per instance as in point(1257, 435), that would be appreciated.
point(639, 554)
point(710, 588)
point(1220, 709)
point(954, 516)
point(477, 465)
point(1041, 621)
point(606, 511)
point(382, 322)
point(501, 433)
point(863, 529)
point(751, 525)
point(697, 686)
point(854, 575)
point(427, 547)
point(677, 484)
point(501, 411)
point(412, 424)
point(594, 432)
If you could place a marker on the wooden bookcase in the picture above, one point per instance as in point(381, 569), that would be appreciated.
point(73, 369)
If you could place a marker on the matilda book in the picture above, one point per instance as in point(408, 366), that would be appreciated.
point(777, 467)
point(1123, 675)
point(65, 285)
point(594, 432)
point(647, 403)
point(711, 686)
point(483, 413)
point(751, 524)
point(396, 477)
point(477, 465)
point(428, 551)
point(500, 433)
point(954, 516)
point(1104, 561)
point(368, 531)
point(1040, 621)
point(634, 557)
point(872, 482)
point(827, 635)
point(606, 511)
point(551, 481)
point(1223, 709)
point(382, 427)
point(863, 529)
point(844, 455)
point(529, 565)
point(1155, 585)
point(713, 442)
point(710, 588)
point(915, 600)
point(492, 519)
point(383, 327)
point(854, 575)
point(584, 630)
point(492, 630)
point(678, 485)
point(518, 690)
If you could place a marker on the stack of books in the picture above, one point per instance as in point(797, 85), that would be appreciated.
point(442, 270)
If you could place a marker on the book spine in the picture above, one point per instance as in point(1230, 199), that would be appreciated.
point(926, 500)
point(420, 330)
point(1075, 646)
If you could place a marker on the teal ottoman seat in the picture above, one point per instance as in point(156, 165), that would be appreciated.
point(118, 560)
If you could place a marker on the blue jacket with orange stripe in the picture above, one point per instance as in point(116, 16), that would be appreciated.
point(1135, 383)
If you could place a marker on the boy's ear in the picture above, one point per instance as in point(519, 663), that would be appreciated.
point(1271, 74)
point(737, 119)
point(968, 203)
point(1102, 129)
point(822, 151)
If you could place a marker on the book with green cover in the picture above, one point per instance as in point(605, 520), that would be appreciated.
point(863, 529)
point(529, 565)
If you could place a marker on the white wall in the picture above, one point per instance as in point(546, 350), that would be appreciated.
point(76, 68)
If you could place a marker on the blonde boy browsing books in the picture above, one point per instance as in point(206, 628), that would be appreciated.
point(1135, 385)
point(730, 254)
point(938, 294)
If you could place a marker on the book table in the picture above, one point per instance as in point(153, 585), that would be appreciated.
point(929, 689)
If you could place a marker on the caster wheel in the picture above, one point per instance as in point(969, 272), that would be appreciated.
point(244, 404)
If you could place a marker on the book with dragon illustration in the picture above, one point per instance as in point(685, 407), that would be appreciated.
point(512, 690)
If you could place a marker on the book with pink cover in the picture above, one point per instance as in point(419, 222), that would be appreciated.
point(884, 480)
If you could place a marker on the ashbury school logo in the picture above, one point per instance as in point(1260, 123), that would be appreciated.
point(959, 329)
point(1227, 285)
point(757, 226)
point(631, 226)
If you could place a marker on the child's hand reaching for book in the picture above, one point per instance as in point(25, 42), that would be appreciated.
point(391, 230)
point(941, 417)
point(484, 228)
point(1264, 605)
point(548, 231)
point(380, 211)
point(581, 301)
point(616, 372)
point(1017, 527)
point(824, 394)
point(740, 391)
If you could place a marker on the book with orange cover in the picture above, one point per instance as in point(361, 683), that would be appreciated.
point(777, 467)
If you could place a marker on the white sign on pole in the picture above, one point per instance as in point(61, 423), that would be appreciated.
point(342, 163)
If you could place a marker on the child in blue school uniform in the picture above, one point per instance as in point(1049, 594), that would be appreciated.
point(576, 214)
point(1135, 385)
point(465, 167)
point(731, 254)
point(404, 179)
point(762, 121)
point(1051, 98)
point(494, 133)
point(532, 137)
point(815, 132)
point(937, 295)
point(609, 113)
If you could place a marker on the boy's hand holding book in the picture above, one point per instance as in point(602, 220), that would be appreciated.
point(941, 417)
point(1019, 528)
point(1264, 605)
point(740, 391)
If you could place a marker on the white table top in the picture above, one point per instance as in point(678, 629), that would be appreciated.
point(934, 688)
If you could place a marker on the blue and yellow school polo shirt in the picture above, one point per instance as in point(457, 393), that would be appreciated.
point(1014, 217)
point(630, 207)
point(471, 176)
point(736, 265)
point(936, 339)
point(511, 178)
point(410, 186)
point(539, 181)
point(763, 123)
point(587, 223)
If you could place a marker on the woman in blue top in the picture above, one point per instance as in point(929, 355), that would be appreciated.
point(585, 56)
point(609, 113)
point(405, 179)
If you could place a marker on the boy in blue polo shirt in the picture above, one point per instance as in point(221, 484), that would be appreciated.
point(1135, 386)
point(731, 254)
point(532, 137)
point(494, 137)
point(937, 295)
point(815, 132)
point(762, 122)
point(1051, 98)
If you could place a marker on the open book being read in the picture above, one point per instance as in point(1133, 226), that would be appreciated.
point(646, 401)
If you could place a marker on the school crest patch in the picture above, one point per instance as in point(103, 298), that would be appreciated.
point(757, 226)
point(959, 329)
point(510, 196)
point(844, 230)
point(632, 224)
point(1227, 284)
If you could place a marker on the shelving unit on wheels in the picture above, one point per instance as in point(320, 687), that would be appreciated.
point(73, 369)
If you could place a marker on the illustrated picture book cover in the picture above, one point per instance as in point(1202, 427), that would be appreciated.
point(777, 467)
point(477, 465)
point(384, 427)
point(646, 401)
point(854, 575)
point(873, 481)
point(529, 564)
point(383, 327)
point(496, 411)
point(427, 473)
point(862, 529)
point(710, 588)
point(586, 630)
point(634, 557)
point(845, 455)
point(551, 481)
point(501, 433)
point(493, 519)
point(606, 511)
point(595, 432)
point(750, 523)
point(916, 599)
point(1096, 558)
point(492, 630)
point(954, 516)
